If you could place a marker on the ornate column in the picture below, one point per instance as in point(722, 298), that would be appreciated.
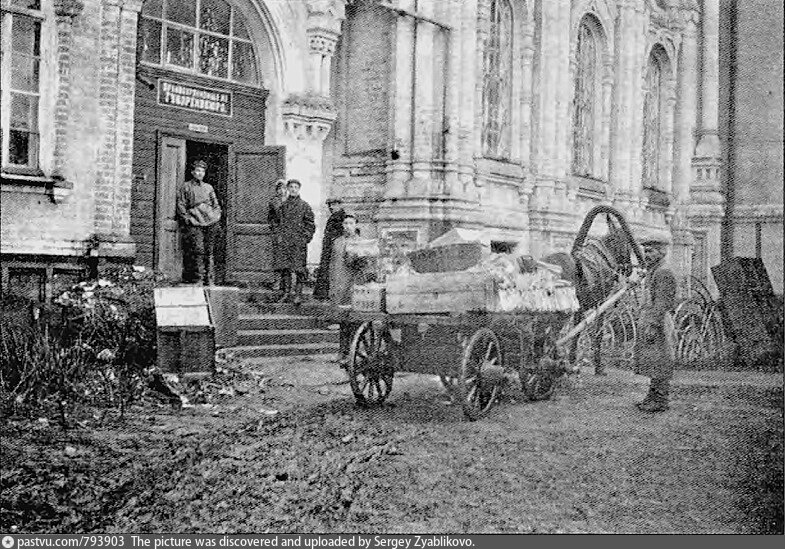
point(684, 145)
point(470, 53)
point(323, 29)
point(709, 142)
point(308, 118)
point(627, 79)
point(423, 111)
point(707, 201)
point(452, 105)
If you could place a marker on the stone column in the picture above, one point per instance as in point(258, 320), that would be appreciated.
point(423, 111)
point(527, 56)
point(627, 79)
point(401, 104)
point(470, 53)
point(686, 109)
point(452, 103)
point(686, 117)
point(709, 142)
point(306, 122)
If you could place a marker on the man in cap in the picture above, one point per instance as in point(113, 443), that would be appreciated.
point(198, 213)
point(274, 220)
point(297, 228)
point(332, 230)
point(654, 345)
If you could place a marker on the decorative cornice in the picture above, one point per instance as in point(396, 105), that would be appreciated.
point(308, 116)
point(68, 8)
point(326, 15)
point(758, 212)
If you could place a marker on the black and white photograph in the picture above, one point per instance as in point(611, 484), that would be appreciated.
point(390, 273)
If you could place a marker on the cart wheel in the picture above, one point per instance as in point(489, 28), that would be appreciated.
point(371, 364)
point(537, 385)
point(481, 375)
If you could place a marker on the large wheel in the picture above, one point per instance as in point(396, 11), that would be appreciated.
point(481, 375)
point(371, 364)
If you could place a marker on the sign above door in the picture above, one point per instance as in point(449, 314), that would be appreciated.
point(194, 98)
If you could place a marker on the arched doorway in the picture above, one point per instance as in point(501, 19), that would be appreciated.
point(200, 94)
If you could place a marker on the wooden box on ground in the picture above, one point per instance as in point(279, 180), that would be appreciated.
point(185, 336)
point(453, 292)
point(369, 297)
point(447, 258)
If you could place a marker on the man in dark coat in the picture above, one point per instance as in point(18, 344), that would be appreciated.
point(274, 220)
point(654, 344)
point(332, 230)
point(297, 228)
point(198, 213)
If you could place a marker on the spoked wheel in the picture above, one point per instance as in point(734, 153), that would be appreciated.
point(481, 375)
point(371, 364)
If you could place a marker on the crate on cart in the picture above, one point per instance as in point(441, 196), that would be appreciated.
point(441, 293)
point(369, 297)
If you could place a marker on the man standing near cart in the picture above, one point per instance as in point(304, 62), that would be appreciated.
point(333, 229)
point(198, 213)
point(297, 228)
point(654, 342)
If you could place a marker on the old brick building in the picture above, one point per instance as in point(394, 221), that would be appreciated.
point(511, 116)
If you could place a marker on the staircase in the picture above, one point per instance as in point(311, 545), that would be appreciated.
point(267, 329)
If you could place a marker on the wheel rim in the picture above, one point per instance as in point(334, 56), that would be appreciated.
point(482, 352)
point(371, 364)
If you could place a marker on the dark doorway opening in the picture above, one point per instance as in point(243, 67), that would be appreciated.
point(217, 157)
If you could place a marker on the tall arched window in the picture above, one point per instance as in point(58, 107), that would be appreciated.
point(497, 82)
point(206, 37)
point(652, 120)
point(586, 104)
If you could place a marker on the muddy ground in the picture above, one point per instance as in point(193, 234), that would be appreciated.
point(281, 447)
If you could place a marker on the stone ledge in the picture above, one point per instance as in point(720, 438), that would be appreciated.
point(56, 188)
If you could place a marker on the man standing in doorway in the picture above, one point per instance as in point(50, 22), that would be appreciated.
point(654, 342)
point(297, 228)
point(198, 212)
point(332, 230)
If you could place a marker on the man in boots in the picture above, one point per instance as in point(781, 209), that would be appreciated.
point(654, 343)
point(297, 228)
point(198, 213)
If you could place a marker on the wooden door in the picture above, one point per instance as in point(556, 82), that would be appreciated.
point(250, 244)
point(171, 173)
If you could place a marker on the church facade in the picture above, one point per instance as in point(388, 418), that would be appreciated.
point(514, 117)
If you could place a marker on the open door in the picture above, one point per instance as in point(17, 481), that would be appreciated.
point(171, 172)
point(250, 243)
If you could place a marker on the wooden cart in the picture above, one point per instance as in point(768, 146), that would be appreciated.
point(470, 352)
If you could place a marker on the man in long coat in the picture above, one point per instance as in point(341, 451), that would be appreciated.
point(274, 220)
point(198, 213)
point(654, 343)
point(297, 228)
point(332, 230)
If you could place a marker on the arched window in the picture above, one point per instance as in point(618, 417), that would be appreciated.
point(652, 120)
point(586, 105)
point(206, 37)
point(497, 75)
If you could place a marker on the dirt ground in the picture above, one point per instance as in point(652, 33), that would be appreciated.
point(282, 448)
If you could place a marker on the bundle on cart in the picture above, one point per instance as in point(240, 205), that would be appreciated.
point(502, 283)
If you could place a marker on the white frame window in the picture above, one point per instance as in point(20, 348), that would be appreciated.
point(208, 47)
point(21, 84)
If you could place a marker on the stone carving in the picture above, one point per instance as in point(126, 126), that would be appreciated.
point(308, 116)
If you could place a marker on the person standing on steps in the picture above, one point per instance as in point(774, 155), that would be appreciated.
point(332, 230)
point(654, 344)
point(297, 229)
point(274, 220)
point(198, 213)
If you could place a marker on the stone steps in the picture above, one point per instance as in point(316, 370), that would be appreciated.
point(267, 329)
